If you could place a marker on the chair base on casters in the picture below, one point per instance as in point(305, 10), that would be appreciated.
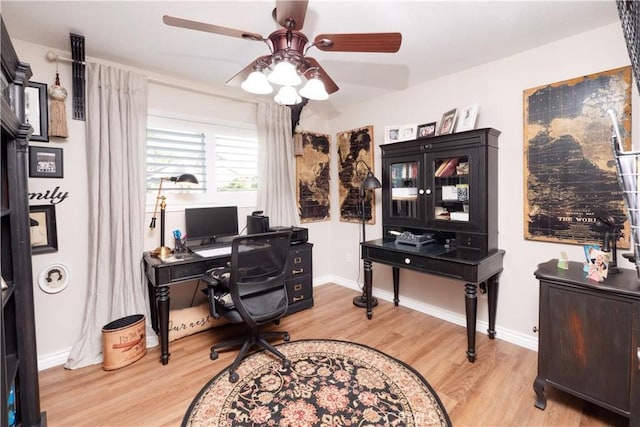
point(248, 342)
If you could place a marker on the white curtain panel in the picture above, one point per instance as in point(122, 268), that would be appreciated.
point(116, 131)
point(276, 166)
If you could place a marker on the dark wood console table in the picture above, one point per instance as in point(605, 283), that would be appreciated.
point(161, 275)
point(589, 343)
point(467, 266)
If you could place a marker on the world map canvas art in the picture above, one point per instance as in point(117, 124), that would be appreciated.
point(570, 173)
point(313, 178)
point(355, 145)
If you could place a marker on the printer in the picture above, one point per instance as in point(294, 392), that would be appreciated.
point(259, 223)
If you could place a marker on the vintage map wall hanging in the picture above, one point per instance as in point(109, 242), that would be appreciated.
point(570, 175)
point(312, 178)
point(354, 145)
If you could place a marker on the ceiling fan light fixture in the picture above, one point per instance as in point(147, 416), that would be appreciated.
point(257, 83)
point(287, 95)
point(285, 74)
point(315, 90)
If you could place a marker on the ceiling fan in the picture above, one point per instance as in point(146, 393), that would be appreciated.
point(288, 60)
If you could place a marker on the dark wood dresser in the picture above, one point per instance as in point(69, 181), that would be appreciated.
point(589, 342)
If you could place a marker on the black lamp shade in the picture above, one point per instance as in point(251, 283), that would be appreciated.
point(186, 178)
point(371, 182)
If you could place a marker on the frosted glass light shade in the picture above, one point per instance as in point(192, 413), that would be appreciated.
point(285, 74)
point(314, 89)
point(287, 96)
point(257, 83)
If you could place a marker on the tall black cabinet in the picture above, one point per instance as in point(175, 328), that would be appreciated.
point(20, 400)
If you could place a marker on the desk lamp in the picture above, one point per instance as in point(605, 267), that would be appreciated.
point(163, 251)
point(369, 183)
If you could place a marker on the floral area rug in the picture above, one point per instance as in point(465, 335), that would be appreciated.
point(330, 383)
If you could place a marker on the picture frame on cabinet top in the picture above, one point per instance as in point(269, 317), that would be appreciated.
point(36, 110)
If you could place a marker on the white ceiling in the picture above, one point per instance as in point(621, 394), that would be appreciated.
point(439, 37)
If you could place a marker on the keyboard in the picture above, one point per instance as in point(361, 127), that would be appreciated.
point(225, 250)
point(216, 249)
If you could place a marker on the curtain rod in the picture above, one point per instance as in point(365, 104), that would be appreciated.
point(52, 56)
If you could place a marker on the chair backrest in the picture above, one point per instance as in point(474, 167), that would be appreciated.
point(257, 277)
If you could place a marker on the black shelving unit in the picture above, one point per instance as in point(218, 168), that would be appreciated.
point(19, 389)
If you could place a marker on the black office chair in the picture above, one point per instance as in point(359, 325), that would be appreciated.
point(251, 290)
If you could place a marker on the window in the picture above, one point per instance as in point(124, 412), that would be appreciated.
point(224, 158)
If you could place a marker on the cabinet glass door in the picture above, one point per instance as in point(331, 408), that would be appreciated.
point(451, 195)
point(404, 190)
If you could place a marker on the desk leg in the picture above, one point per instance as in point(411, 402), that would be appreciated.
point(471, 306)
point(153, 303)
point(492, 294)
point(368, 286)
point(396, 285)
point(162, 295)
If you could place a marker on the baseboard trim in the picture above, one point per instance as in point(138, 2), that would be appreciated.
point(508, 335)
point(60, 358)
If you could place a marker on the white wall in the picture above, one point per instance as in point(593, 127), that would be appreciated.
point(498, 87)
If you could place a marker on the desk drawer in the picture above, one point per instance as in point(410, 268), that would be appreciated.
point(299, 293)
point(299, 261)
point(460, 271)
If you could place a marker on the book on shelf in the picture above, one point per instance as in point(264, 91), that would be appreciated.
point(447, 168)
point(459, 216)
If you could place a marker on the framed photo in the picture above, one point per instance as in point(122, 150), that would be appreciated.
point(447, 122)
point(54, 278)
point(36, 111)
point(45, 162)
point(397, 133)
point(427, 130)
point(467, 118)
point(44, 236)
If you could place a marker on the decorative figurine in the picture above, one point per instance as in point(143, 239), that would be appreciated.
point(563, 262)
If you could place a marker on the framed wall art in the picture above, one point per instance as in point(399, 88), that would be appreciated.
point(355, 147)
point(54, 278)
point(44, 236)
point(447, 122)
point(45, 162)
point(36, 111)
point(570, 181)
point(313, 177)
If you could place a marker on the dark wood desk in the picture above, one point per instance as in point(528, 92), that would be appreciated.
point(467, 266)
point(161, 275)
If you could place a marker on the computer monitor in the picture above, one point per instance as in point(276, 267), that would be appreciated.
point(209, 224)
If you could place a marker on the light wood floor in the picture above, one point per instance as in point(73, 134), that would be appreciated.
point(496, 390)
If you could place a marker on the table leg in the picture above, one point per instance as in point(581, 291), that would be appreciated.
point(492, 295)
point(538, 387)
point(153, 303)
point(471, 306)
point(162, 295)
point(396, 285)
point(368, 286)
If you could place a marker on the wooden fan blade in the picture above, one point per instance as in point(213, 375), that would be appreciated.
point(290, 13)
point(244, 73)
point(209, 28)
point(329, 85)
point(363, 42)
